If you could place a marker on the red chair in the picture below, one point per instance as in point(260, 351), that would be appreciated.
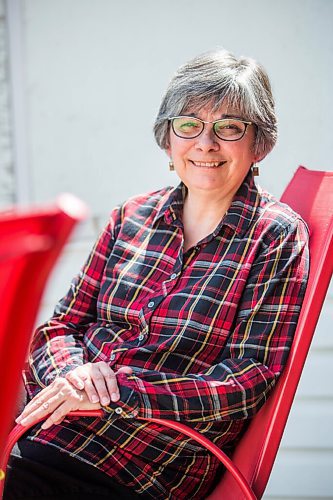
point(310, 193)
point(30, 242)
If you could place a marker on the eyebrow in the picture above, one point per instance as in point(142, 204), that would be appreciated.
point(223, 117)
point(231, 116)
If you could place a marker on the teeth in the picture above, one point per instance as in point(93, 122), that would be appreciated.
point(207, 163)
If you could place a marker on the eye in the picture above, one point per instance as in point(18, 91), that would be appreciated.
point(187, 126)
point(230, 125)
point(229, 129)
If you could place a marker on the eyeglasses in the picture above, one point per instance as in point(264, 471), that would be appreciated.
point(228, 129)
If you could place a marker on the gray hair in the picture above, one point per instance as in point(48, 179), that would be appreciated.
point(217, 78)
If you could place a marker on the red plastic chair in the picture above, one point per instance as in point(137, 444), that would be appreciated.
point(30, 242)
point(310, 193)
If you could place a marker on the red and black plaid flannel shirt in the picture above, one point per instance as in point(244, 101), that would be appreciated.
point(207, 333)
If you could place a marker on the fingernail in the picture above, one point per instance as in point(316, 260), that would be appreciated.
point(114, 396)
point(104, 401)
point(18, 420)
point(80, 385)
point(94, 399)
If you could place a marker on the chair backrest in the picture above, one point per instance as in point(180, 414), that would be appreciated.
point(310, 193)
point(30, 242)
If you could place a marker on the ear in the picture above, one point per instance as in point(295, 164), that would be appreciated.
point(257, 159)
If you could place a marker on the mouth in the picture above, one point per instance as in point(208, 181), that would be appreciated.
point(208, 164)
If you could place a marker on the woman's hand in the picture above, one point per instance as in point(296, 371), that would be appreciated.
point(98, 380)
point(58, 399)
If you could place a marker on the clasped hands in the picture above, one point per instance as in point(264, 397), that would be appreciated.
point(86, 387)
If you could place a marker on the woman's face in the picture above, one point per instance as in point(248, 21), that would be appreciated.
point(195, 160)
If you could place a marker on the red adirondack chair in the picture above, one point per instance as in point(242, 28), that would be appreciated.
point(310, 193)
point(30, 242)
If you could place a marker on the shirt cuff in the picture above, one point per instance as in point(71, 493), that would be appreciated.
point(128, 404)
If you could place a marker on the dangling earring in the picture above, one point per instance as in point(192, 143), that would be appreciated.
point(171, 166)
point(255, 170)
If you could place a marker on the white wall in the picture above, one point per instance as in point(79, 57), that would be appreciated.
point(7, 193)
point(93, 65)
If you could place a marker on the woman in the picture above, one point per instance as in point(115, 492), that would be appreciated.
point(185, 308)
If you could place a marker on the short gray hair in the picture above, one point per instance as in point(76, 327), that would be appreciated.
point(215, 78)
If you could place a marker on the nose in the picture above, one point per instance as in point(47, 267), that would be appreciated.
point(207, 140)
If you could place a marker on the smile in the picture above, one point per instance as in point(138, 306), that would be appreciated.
point(208, 164)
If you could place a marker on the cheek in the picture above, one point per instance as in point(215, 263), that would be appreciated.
point(177, 149)
point(251, 145)
point(245, 152)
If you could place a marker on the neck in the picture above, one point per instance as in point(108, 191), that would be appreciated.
point(206, 206)
point(201, 215)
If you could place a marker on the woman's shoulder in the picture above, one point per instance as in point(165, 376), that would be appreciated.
point(143, 204)
point(278, 215)
point(152, 198)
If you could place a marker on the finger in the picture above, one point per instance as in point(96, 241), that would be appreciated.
point(111, 383)
point(99, 374)
point(39, 407)
point(57, 407)
point(58, 415)
point(59, 421)
point(34, 416)
point(83, 380)
point(75, 379)
point(35, 403)
point(125, 369)
point(28, 409)
point(91, 391)
point(115, 396)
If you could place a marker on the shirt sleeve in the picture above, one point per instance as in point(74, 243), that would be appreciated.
point(57, 346)
point(255, 353)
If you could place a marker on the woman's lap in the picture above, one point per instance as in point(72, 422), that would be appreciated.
point(43, 472)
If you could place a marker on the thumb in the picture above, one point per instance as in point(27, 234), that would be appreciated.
point(125, 369)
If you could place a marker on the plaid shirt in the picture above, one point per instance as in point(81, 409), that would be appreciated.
point(207, 333)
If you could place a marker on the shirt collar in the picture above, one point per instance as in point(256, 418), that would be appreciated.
point(238, 217)
point(243, 207)
point(171, 204)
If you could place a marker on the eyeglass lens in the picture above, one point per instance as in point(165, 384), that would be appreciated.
point(228, 129)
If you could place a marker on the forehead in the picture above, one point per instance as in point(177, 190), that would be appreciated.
point(213, 110)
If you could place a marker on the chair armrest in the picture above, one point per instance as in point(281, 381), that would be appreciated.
point(19, 430)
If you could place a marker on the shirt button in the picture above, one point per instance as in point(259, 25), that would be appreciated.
point(119, 410)
point(151, 304)
point(173, 276)
point(112, 357)
point(141, 337)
